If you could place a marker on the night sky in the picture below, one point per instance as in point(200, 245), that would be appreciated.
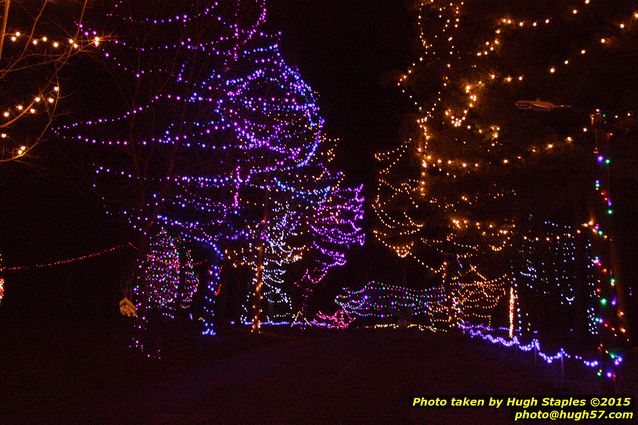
point(351, 55)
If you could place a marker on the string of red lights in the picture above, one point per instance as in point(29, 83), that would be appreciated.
point(69, 260)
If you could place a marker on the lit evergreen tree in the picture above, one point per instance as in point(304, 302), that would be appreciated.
point(502, 93)
point(215, 137)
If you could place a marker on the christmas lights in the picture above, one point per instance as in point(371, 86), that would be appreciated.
point(486, 334)
point(555, 267)
point(438, 307)
point(609, 289)
point(452, 196)
point(165, 283)
point(460, 153)
point(1, 281)
point(68, 260)
point(225, 149)
point(189, 281)
point(30, 66)
point(339, 320)
point(335, 229)
point(159, 276)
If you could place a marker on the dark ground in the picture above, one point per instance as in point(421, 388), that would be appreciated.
point(86, 375)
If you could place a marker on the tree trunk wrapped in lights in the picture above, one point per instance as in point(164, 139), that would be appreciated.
point(189, 282)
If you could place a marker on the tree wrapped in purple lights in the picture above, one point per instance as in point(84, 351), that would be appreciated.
point(314, 223)
point(214, 138)
point(335, 229)
point(182, 126)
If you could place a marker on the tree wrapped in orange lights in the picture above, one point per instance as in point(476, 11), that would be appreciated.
point(501, 93)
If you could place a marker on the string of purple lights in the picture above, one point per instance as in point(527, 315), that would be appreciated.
point(224, 148)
